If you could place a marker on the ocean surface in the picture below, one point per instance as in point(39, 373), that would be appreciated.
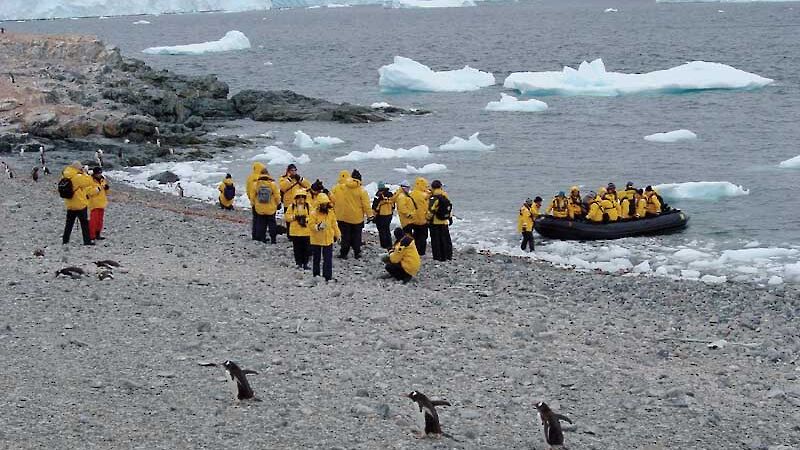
point(335, 53)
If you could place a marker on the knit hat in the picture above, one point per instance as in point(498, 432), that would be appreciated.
point(291, 167)
point(381, 185)
point(356, 175)
point(399, 233)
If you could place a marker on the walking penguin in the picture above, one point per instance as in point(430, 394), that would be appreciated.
point(238, 378)
point(428, 407)
point(551, 423)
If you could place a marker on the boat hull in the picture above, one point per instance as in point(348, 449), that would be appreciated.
point(578, 230)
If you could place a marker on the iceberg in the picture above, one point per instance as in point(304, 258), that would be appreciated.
point(610, 10)
point(722, 1)
point(378, 152)
point(405, 74)
point(277, 155)
point(792, 163)
point(671, 136)
point(305, 141)
point(471, 144)
point(141, 22)
point(61, 9)
point(431, 3)
point(593, 79)
point(427, 168)
point(700, 190)
point(233, 40)
point(511, 103)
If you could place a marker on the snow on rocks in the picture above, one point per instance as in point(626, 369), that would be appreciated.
point(511, 103)
point(591, 78)
point(276, 155)
point(405, 74)
point(378, 152)
point(426, 169)
point(672, 136)
point(792, 163)
point(305, 141)
point(461, 144)
point(233, 40)
point(701, 190)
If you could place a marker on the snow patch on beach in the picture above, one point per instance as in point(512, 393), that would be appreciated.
point(792, 163)
point(460, 144)
point(233, 40)
point(305, 141)
point(426, 169)
point(672, 136)
point(405, 74)
point(274, 155)
point(700, 190)
point(378, 152)
point(591, 78)
point(510, 103)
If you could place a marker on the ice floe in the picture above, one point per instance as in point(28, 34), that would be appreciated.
point(305, 141)
point(233, 40)
point(609, 10)
point(405, 74)
point(378, 152)
point(672, 136)
point(593, 79)
point(792, 163)
point(461, 144)
point(276, 155)
point(431, 3)
point(427, 168)
point(701, 190)
point(141, 22)
point(511, 103)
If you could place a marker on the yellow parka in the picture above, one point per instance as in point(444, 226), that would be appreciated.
point(250, 184)
point(323, 226)
point(82, 188)
point(595, 213)
point(289, 187)
point(294, 216)
point(641, 206)
point(270, 208)
point(627, 193)
point(575, 205)
point(221, 188)
point(610, 207)
point(385, 206)
point(420, 194)
point(559, 207)
point(653, 204)
point(406, 207)
point(336, 190)
point(625, 208)
point(433, 205)
point(526, 219)
point(404, 252)
point(352, 202)
point(100, 199)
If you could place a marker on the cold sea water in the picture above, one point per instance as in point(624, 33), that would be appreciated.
point(335, 54)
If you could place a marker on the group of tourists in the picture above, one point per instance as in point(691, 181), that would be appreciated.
point(85, 200)
point(316, 218)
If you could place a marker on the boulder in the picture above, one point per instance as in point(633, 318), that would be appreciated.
point(193, 122)
point(164, 177)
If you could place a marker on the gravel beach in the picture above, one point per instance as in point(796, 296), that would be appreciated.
point(115, 363)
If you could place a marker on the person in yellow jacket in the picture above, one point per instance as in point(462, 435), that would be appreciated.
point(641, 204)
point(403, 261)
point(653, 203)
point(406, 207)
point(526, 221)
point(575, 208)
point(608, 205)
point(324, 231)
point(595, 213)
point(289, 184)
point(338, 189)
point(250, 187)
point(559, 206)
point(383, 208)
point(627, 208)
point(227, 192)
point(297, 218)
point(97, 204)
point(439, 219)
point(314, 191)
point(77, 204)
point(265, 204)
point(629, 192)
point(351, 207)
point(420, 194)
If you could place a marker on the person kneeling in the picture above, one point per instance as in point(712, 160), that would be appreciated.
point(403, 260)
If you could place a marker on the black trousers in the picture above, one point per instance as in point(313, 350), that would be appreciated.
point(396, 270)
point(351, 237)
point(383, 223)
point(326, 253)
point(262, 222)
point(302, 249)
point(527, 239)
point(83, 217)
point(421, 238)
point(441, 245)
point(253, 227)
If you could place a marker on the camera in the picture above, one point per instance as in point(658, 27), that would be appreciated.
point(301, 220)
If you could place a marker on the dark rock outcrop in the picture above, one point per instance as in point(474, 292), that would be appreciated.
point(289, 106)
point(164, 177)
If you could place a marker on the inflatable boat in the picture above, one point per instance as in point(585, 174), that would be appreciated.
point(579, 230)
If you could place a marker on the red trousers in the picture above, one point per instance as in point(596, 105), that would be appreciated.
point(96, 222)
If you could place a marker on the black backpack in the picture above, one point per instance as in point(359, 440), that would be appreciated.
point(444, 207)
point(229, 192)
point(65, 188)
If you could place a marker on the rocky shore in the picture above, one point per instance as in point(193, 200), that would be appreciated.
point(71, 94)
point(116, 363)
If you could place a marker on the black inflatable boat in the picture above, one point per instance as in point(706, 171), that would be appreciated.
point(579, 230)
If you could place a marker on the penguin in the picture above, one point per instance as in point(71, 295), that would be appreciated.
point(105, 274)
point(238, 379)
point(35, 174)
point(107, 264)
point(71, 271)
point(551, 423)
point(428, 407)
point(158, 143)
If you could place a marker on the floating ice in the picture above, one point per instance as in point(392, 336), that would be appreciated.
point(305, 141)
point(405, 74)
point(712, 279)
point(700, 190)
point(690, 255)
point(593, 79)
point(277, 155)
point(378, 152)
point(338, 5)
point(427, 168)
point(611, 10)
point(233, 40)
point(672, 136)
point(471, 144)
point(751, 255)
point(511, 103)
point(792, 163)
point(141, 22)
point(643, 267)
point(431, 3)
point(60, 9)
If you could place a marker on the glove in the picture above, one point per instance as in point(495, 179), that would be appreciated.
point(296, 177)
point(449, 220)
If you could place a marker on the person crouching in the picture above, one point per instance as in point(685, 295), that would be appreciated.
point(324, 231)
point(297, 221)
point(403, 261)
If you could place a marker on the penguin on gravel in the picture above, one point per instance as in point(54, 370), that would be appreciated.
point(238, 379)
point(71, 271)
point(107, 264)
point(551, 421)
point(428, 408)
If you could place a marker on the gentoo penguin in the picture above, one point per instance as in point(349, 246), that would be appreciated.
point(105, 274)
point(238, 379)
point(107, 264)
point(551, 423)
point(428, 407)
point(71, 271)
